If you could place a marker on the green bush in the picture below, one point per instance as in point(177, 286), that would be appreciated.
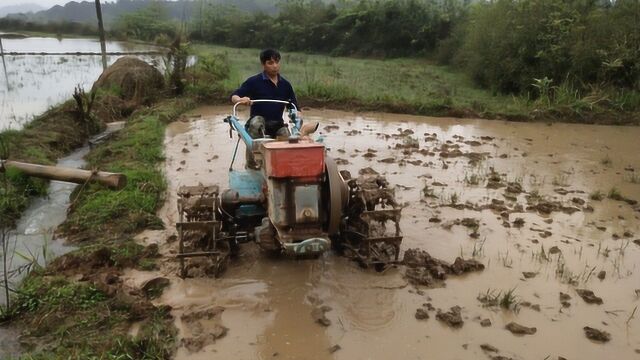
point(148, 23)
point(378, 28)
point(511, 46)
point(208, 73)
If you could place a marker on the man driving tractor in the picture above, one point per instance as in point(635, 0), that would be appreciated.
point(266, 117)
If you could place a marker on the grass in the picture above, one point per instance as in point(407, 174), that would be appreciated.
point(449, 199)
point(428, 192)
point(615, 194)
point(596, 195)
point(478, 248)
point(399, 85)
point(504, 299)
point(541, 255)
point(412, 86)
point(633, 178)
point(42, 141)
point(48, 137)
point(560, 180)
point(85, 319)
point(84, 323)
point(135, 151)
point(472, 179)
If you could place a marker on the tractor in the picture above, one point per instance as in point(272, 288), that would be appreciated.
point(296, 203)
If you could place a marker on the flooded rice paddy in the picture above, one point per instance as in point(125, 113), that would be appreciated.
point(550, 210)
point(31, 84)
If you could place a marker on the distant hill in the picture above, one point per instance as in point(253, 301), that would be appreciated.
point(85, 12)
point(22, 8)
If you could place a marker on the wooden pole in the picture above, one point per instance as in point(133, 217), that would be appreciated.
point(201, 19)
point(4, 65)
point(103, 45)
point(79, 176)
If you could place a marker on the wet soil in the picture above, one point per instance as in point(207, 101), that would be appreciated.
point(496, 174)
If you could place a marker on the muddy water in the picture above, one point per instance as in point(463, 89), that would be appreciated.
point(33, 83)
point(268, 302)
point(33, 241)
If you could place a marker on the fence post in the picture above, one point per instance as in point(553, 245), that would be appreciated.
point(103, 46)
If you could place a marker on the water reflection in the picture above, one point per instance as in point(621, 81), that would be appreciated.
point(34, 83)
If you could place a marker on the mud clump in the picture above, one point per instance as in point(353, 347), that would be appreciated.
point(488, 348)
point(518, 329)
point(153, 288)
point(495, 181)
point(485, 323)
point(514, 188)
point(547, 207)
point(596, 335)
point(203, 266)
point(453, 317)
point(367, 171)
point(199, 337)
point(93, 263)
point(196, 343)
point(461, 266)
point(589, 297)
point(138, 82)
point(431, 277)
point(470, 223)
point(554, 249)
point(426, 270)
point(202, 314)
point(578, 201)
point(518, 222)
point(319, 315)
point(340, 161)
point(421, 314)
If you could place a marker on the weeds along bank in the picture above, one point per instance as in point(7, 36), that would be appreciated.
point(74, 308)
point(128, 87)
point(539, 60)
point(48, 137)
point(412, 86)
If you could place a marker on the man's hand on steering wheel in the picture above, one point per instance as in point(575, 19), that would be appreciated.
point(244, 101)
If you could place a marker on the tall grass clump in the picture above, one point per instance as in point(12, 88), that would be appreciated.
point(563, 53)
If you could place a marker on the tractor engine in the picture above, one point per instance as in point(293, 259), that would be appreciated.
point(294, 175)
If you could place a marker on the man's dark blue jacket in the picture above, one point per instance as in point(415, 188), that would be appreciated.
point(260, 86)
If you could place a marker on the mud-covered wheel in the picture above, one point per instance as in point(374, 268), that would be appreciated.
point(370, 228)
point(203, 250)
point(265, 236)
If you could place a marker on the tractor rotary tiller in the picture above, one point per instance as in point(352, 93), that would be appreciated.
point(296, 203)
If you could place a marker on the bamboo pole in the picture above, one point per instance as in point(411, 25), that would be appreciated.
point(79, 176)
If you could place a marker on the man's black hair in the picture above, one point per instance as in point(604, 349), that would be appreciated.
point(269, 54)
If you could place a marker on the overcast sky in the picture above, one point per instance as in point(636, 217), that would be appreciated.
point(44, 3)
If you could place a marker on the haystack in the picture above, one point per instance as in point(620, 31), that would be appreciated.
point(135, 81)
